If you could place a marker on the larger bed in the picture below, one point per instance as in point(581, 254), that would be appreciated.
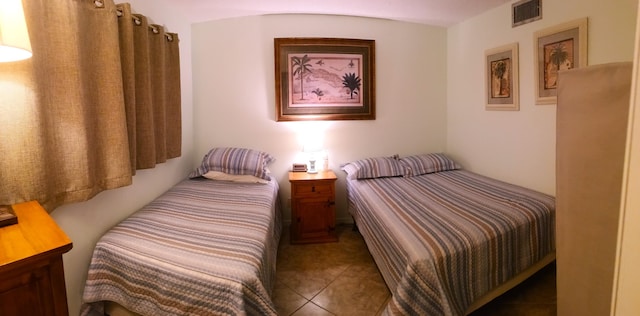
point(205, 247)
point(447, 240)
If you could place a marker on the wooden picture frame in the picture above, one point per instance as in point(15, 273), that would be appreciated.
point(324, 79)
point(558, 48)
point(501, 74)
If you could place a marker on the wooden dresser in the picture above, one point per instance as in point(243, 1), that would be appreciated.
point(313, 210)
point(31, 271)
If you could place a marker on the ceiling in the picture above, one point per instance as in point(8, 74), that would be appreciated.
point(432, 12)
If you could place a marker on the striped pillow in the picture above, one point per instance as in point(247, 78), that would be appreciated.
point(378, 167)
point(235, 161)
point(428, 163)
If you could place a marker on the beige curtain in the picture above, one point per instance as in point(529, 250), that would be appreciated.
point(69, 124)
point(151, 76)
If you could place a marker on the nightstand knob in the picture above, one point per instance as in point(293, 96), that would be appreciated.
point(313, 188)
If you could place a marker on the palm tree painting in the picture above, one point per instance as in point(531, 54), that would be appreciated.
point(557, 56)
point(502, 77)
point(301, 67)
point(323, 78)
point(500, 87)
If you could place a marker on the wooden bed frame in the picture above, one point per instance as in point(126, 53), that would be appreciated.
point(503, 288)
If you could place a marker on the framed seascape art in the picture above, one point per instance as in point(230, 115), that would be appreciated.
point(558, 48)
point(324, 79)
point(502, 78)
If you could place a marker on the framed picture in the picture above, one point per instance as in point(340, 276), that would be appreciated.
point(558, 48)
point(324, 79)
point(502, 78)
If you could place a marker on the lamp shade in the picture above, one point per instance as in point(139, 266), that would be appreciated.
point(14, 37)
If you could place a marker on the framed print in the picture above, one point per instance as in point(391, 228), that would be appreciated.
point(324, 79)
point(502, 78)
point(558, 48)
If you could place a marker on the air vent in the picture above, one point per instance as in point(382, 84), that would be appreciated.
point(526, 11)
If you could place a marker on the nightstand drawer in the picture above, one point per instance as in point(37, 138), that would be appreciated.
point(313, 188)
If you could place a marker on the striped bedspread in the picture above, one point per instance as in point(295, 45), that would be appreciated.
point(202, 248)
point(443, 240)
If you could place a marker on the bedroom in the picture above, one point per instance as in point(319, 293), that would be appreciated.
point(429, 89)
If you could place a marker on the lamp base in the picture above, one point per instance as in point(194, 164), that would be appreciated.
point(312, 167)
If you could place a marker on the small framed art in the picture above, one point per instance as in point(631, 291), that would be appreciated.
point(502, 78)
point(558, 48)
point(324, 79)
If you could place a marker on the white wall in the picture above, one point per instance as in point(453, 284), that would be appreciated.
point(85, 222)
point(519, 147)
point(234, 97)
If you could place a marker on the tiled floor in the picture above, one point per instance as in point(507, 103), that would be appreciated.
point(342, 279)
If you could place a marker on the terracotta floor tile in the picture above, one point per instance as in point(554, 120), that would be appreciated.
point(359, 290)
point(311, 309)
point(309, 283)
point(286, 300)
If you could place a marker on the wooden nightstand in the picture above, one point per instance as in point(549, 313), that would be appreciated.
point(313, 207)
point(31, 271)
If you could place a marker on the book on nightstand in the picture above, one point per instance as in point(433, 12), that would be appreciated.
point(7, 216)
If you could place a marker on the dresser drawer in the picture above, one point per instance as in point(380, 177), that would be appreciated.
point(313, 188)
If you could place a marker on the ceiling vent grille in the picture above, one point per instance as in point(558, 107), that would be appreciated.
point(526, 11)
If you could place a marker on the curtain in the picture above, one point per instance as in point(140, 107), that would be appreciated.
point(151, 77)
point(73, 123)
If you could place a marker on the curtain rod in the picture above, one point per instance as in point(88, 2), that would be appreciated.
point(154, 28)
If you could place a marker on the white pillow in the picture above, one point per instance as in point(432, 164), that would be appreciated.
point(245, 178)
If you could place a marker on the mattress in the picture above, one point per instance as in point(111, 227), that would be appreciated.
point(202, 248)
point(444, 240)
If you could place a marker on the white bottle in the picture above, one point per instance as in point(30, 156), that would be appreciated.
point(325, 161)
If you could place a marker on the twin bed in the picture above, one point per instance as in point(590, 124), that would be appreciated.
point(445, 240)
point(205, 247)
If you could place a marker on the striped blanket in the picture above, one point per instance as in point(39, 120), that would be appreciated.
point(445, 239)
point(202, 248)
